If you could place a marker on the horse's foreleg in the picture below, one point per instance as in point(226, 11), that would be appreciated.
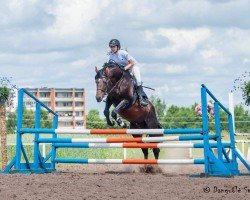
point(123, 104)
point(145, 152)
point(106, 112)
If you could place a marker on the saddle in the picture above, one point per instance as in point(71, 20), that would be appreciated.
point(135, 95)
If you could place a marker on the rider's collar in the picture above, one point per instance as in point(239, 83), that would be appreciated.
point(114, 52)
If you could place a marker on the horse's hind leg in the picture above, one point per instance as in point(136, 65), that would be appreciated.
point(156, 152)
point(144, 150)
point(152, 123)
point(145, 153)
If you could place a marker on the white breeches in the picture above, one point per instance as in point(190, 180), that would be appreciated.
point(136, 72)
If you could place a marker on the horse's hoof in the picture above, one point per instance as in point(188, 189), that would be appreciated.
point(114, 115)
point(152, 169)
point(111, 123)
point(121, 123)
point(125, 125)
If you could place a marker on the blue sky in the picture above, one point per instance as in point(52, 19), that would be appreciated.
point(179, 44)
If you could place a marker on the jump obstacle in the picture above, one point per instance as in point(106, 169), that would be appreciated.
point(214, 165)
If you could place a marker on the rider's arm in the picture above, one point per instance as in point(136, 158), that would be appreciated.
point(130, 64)
point(129, 58)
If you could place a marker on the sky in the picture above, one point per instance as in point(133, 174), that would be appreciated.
point(179, 44)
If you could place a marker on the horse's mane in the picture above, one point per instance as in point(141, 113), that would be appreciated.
point(99, 74)
point(110, 64)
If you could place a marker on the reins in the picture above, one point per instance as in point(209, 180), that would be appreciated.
point(117, 83)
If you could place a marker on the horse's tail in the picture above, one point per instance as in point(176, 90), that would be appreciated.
point(159, 125)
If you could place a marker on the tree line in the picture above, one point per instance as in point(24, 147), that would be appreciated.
point(180, 117)
point(169, 117)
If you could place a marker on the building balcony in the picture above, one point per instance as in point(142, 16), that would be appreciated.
point(78, 99)
point(79, 118)
point(64, 99)
point(80, 108)
point(44, 99)
point(65, 119)
point(63, 109)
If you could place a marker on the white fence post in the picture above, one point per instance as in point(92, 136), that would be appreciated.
point(248, 153)
point(44, 150)
point(125, 153)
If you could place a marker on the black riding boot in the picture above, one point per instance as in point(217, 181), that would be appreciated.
point(142, 101)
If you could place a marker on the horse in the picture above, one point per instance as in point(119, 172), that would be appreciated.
point(112, 80)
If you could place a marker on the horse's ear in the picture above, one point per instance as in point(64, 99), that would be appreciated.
point(96, 70)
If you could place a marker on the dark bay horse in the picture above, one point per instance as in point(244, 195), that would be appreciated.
point(118, 84)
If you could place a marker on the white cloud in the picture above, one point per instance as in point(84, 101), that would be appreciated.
point(185, 40)
point(210, 53)
point(75, 19)
point(209, 70)
point(175, 69)
point(79, 63)
point(238, 40)
point(246, 61)
point(162, 91)
point(179, 43)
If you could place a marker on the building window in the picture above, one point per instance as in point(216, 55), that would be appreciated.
point(79, 114)
point(78, 104)
point(47, 103)
point(79, 123)
point(64, 104)
point(29, 103)
point(44, 94)
point(65, 114)
point(65, 124)
point(63, 94)
point(78, 94)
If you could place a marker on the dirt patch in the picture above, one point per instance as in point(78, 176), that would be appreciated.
point(122, 182)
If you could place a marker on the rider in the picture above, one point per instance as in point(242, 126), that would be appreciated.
point(124, 59)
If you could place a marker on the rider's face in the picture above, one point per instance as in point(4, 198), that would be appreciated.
point(114, 49)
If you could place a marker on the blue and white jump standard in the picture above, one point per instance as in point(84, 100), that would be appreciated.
point(214, 165)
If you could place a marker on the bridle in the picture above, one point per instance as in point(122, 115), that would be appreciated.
point(108, 82)
point(117, 84)
point(103, 78)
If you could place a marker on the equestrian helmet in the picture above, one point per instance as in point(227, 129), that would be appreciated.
point(114, 42)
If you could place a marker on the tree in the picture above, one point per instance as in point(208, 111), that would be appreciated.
point(28, 120)
point(46, 121)
point(246, 93)
point(94, 120)
point(160, 106)
point(181, 117)
point(242, 118)
point(7, 93)
point(242, 84)
point(11, 122)
point(3, 132)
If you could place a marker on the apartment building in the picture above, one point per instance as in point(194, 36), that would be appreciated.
point(69, 103)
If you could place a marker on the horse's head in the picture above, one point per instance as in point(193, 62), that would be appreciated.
point(101, 84)
point(106, 77)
